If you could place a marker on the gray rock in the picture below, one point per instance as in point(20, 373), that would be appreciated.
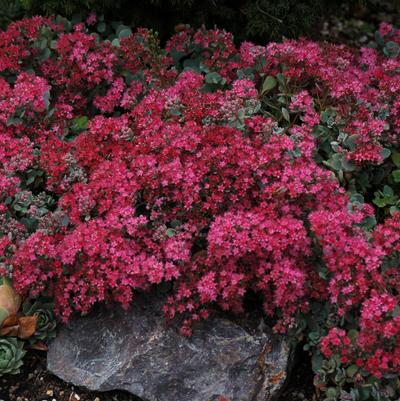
point(137, 352)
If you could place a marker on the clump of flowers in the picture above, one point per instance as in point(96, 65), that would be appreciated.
point(220, 169)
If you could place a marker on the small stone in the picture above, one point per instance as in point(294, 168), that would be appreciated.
point(13, 389)
point(97, 399)
point(50, 393)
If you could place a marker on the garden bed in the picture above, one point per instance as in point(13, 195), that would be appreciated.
point(208, 170)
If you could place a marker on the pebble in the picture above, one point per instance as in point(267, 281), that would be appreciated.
point(74, 396)
point(50, 393)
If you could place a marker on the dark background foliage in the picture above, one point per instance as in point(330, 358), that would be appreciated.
point(256, 20)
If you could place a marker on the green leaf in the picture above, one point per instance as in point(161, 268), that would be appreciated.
point(357, 198)
point(396, 175)
point(43, 44)
point(192, 64)
point(18, 208)
point(380, 202)
point(323, 275)
point(269, 83)
point(331, 393)
point(80, 123)
point(379, 39)
point(115, 42)
point(30, 179)
point(46, 98)
point(281, 79)
point(124, 33)
point(385, 153)
point(347, 165)
point(391, 49)
point(175, 223)
point(314, 336)
point(396, 158)
point(213, 78)
point(30, 223)
point(396, 311)
point(285, 114)
point(336, 162)
point(351, 142)
point(316, 362)
point(368, 223)
point(351, 370)
point(325, 115)
point(170, 232)
point(64, 221)
point(388, 191)
point(101, 27)
point(115, 24)
point(44, 54)
point(353, 335)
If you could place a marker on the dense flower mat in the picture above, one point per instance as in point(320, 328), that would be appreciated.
point(221, 169)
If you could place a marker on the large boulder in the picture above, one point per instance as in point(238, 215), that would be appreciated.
point(137, 352)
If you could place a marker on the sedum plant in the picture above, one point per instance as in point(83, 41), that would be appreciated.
point(11, 355)
point(216, 168)
point(46, 322)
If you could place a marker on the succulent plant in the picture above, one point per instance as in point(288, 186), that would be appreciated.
point(11, 354)
point(46, 323)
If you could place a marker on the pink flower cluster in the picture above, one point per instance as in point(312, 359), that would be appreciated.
point(155, 177)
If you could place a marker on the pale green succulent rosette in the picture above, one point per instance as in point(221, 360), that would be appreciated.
point(11, 354)
point(46, 324)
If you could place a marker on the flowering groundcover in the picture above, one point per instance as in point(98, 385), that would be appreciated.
point(220, 169)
